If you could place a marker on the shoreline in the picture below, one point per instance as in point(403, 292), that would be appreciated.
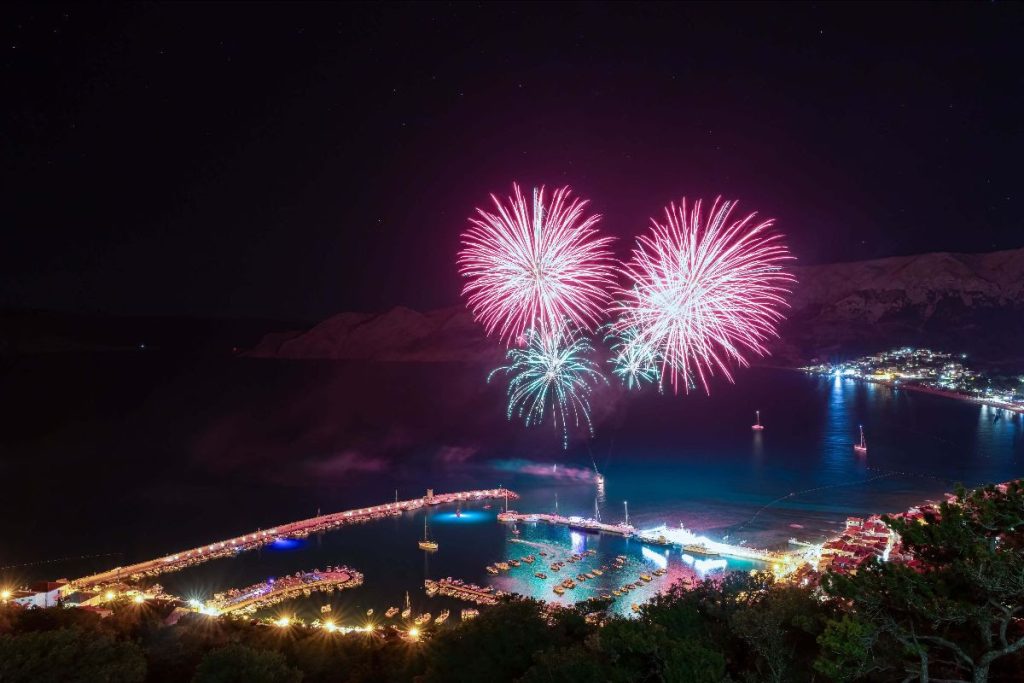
point(913, 386)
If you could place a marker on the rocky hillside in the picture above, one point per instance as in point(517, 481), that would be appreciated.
point(971, 302)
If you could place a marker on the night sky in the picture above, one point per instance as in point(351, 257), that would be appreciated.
point(291, 161)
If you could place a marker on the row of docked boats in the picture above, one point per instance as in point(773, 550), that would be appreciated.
point(499, 567)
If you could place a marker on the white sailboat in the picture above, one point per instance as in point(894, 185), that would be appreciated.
point(862, 447)
point(426, 543)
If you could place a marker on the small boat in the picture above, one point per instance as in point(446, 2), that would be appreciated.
point(606, 596)
point(442, 617)
point(581, 577)
point(324, 609)
point(597, 572)
point(541, 575)
point(591, 575)
point(645, 577)
point(660, 572)
point(529, 559)
point(503, 566)
point(392, 611)
point(757, 426)
point(486, 507)
point(543, 554)
point(568, 583)
point(514, 563)
point(490, 569)
point(558, 590)
point(426, 543)
point(369, 612)
point(422, 619)
point(862, 447)
point(616, 592)
point(554, 567)
point(470, 613)
point(635, 607)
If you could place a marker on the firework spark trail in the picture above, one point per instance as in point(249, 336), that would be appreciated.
point(551, 374)
point(703, 292)
point(534, 266)
point(633, 362)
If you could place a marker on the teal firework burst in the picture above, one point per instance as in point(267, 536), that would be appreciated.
point(552, 375)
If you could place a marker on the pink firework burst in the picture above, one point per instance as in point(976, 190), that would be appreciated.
point(535, 265)
point(703, 292)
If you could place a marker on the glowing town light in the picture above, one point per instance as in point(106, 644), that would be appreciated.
point(703, 292)
point(535, 265)
point(414, 633)
point(329, 625)
point(283, 622)
point(5, 595)
point(138, 599)
point(109, 595)
point(551, 374)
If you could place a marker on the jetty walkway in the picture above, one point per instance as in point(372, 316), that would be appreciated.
point(300, 529)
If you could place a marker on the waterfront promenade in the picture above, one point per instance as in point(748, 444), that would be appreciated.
point(232, 546)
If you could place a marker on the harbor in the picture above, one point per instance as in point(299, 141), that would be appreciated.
point(300, 529)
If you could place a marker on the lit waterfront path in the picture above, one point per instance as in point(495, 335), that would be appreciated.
point(232, 546)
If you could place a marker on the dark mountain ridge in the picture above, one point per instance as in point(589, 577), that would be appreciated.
point(969, 302)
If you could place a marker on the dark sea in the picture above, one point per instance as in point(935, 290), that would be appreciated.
point(111, 458)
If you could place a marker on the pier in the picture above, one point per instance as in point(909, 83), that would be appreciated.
point(460, 590)
point(273, 591)
point(300, 529)
point(578, 523)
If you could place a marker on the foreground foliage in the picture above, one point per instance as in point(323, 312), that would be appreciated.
point(954, 616)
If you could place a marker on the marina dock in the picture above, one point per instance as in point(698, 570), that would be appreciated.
point(460, 590)
point(259, 538)
point(273, 591)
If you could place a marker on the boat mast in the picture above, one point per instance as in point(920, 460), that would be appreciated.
point(625, 504)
